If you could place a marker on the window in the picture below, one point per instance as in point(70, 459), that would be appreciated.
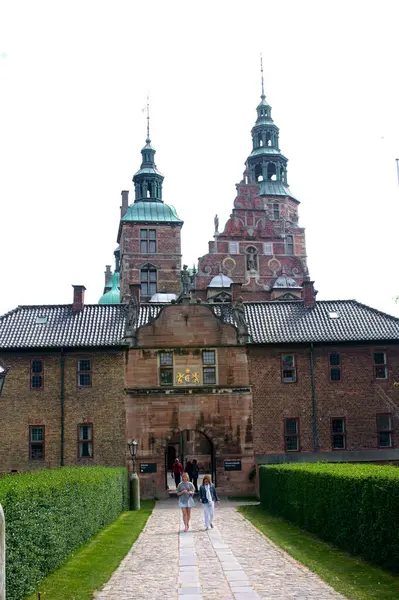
point(268, 248)
point(380, 365)
point(338, 433)
point(276, 211)
point(289, 245)
point(384, 430)
point(209, 366)
point(85, 440)
point(148, 282)
point(288, 368)
point(36, 442)
point(166, 368)
point(335, 366)
point(36, 374)
point(291, 435)
point(233, 248)
point(84, 373)
point(148, 241)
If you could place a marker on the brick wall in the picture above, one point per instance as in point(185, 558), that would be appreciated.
point(102, 405)
point(358, 397)
point(252, 223)
point(222, 412)
point(167, 258)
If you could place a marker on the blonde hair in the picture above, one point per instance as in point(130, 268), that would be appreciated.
point(186, 475)
point(208, 477)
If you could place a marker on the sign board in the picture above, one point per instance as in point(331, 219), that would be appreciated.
point(232, 465)
point(148, 467)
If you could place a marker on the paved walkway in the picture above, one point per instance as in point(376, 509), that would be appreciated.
point(230, 562)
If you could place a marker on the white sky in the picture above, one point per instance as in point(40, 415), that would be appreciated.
point(73, 80)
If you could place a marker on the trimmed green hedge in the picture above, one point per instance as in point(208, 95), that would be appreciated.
point(354, 506)
point(52, 512)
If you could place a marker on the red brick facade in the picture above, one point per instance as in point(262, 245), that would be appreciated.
point(101, 405)
point(270, 226)
point(222, 411)
point(166, 260)
point(358, 397)
point(229, 373)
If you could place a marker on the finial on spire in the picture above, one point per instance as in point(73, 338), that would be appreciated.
point(148, 118)
point(261, 71)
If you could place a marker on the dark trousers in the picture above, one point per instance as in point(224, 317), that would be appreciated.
point(195, 479)
point(177, 477)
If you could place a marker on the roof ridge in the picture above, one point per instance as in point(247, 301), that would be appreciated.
point(376, 310)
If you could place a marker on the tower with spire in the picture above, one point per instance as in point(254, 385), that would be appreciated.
point(149, 237)
point(261, 248)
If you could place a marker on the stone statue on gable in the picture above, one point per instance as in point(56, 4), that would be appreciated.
point(131, 321)
point(216, 222)
point(186, 280)
point(239, 316)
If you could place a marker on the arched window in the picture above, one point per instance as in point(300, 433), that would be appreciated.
point(271, 172)
point(258, 173)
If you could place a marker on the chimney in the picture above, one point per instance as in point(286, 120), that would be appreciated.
point(236, 292)
point(309, 295)
point(78, 297)
point(107, 274)
point(125, 202)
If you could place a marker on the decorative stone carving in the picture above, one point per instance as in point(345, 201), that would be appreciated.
point(186, 280)
point(238, 312)
point(131, 321)
point(216, 222)
point(252, 259)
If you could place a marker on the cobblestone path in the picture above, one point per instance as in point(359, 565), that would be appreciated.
point(230, 562)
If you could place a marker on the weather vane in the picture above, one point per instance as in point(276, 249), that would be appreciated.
point(261, 71)
point(148, 116)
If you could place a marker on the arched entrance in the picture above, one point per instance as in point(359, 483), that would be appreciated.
point(187, 445)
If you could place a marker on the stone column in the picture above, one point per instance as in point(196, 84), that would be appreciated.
point(2, 555)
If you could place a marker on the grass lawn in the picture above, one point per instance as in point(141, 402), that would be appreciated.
point(347, 574)
point(93, 564)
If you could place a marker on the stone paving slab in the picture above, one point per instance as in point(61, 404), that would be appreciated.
point(233, 561)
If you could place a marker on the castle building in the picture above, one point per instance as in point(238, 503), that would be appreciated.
point(234, 363)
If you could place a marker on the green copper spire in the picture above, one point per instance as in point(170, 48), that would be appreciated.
point(148, 206)
point(266, 165)
point(148, 180)
point(114, 295)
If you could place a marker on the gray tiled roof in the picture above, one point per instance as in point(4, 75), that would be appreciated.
point(95, 325)
point(290, 322)
point(269, 322)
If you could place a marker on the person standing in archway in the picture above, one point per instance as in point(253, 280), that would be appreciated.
point(189, 469)
point(208, 497)
point(177, 471)
point(195, 473)
point(185, 492)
